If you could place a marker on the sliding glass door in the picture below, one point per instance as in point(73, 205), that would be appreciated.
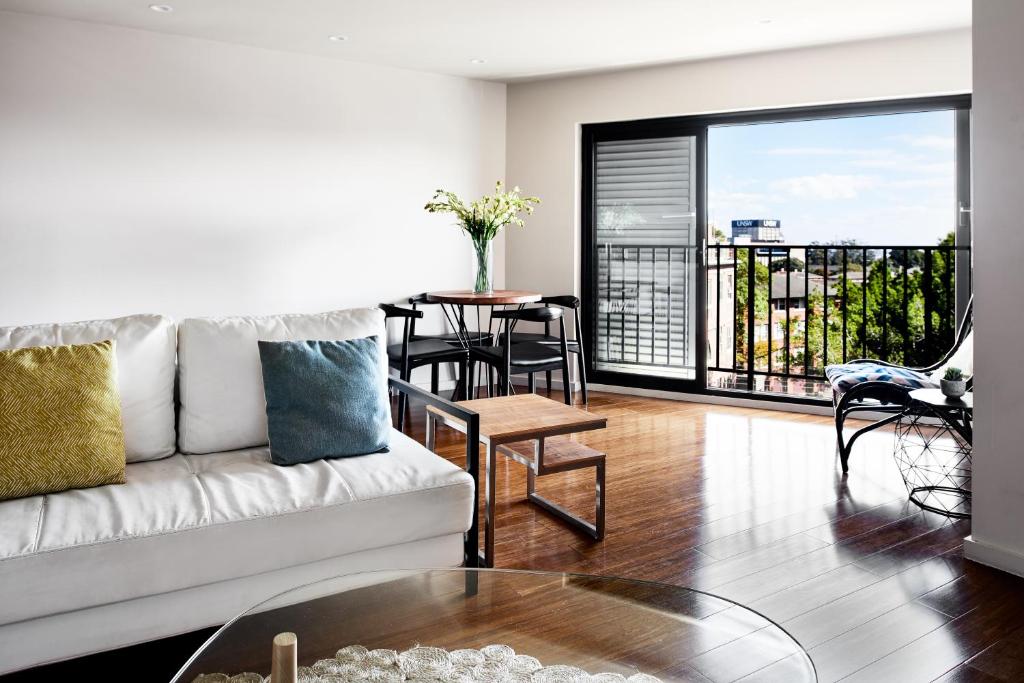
point(689, 293)
point(644, 258)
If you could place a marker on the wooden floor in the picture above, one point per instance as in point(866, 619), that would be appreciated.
point(751, 505)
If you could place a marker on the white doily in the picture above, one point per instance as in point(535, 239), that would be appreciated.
point(490, 664)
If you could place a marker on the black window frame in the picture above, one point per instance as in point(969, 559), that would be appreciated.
point(698, 125)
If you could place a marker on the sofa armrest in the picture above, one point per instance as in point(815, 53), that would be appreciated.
point(472, 420)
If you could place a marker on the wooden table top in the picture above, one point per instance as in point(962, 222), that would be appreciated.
point(504, 419)
point(470, 298)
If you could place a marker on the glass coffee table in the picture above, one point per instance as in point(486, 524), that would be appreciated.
point(502, 625)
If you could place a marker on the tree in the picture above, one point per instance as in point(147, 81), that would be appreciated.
point(744, 296)
point(885, 316)
point(789, 264)
point(717, 236)
point(816, 254)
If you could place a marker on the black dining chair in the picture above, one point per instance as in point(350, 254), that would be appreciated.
point(524, 358)
point(450, 337)
point(411, 354)
point(569, 303)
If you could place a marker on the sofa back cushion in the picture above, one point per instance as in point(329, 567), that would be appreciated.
point(220, 379)
point(145, 362)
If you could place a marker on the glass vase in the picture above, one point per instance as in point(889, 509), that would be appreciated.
point(483, 267)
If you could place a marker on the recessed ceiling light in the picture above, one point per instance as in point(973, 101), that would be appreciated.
point(477, 60)
point(765, 21)
point(161, 8)
point(338, 39)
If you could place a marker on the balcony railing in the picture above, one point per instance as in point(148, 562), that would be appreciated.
point(778, 314)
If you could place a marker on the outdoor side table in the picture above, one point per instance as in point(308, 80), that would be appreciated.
point(933, 451)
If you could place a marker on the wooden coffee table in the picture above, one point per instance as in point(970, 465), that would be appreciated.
point(523, 428)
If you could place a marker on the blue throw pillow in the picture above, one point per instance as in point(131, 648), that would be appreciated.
point(325, 399)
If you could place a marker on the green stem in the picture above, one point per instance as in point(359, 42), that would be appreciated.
point(483, 274)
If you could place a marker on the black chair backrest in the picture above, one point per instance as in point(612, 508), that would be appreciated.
point(565, 301)
point(964, 331)
point(392, 311)
point(572, 303)
point(408, 317)
point(543, 314)
point(966, 325)
point(418, 300)
point(533, 315)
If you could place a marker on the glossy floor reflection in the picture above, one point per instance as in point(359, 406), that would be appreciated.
point(751, 505)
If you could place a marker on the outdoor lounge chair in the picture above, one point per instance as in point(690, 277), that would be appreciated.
point(882, 387)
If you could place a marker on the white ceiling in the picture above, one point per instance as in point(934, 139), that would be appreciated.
point(520, 39)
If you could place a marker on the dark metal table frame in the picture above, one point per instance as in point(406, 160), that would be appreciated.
point(495, 446)
point(453, 305)
point(944, 429)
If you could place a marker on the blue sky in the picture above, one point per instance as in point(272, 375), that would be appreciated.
point(877, 179)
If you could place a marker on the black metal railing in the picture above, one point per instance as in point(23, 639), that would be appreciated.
point(787, 311)
point(643, 314)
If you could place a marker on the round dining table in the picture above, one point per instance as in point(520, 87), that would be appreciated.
point(454, 302)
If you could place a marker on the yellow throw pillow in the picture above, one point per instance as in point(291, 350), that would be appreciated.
point(60, 419)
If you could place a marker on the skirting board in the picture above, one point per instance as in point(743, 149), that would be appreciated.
point(994, 556)
point(739, 402)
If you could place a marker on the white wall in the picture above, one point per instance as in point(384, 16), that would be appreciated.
point(544, 120)
point(146, 172)
point(997, 529)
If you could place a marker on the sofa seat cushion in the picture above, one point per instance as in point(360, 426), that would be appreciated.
point(845, 377)
point(193, 520)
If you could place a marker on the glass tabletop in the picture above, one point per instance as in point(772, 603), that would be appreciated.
point(503, 625)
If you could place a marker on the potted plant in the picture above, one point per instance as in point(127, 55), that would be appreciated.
point(953, 383)
point(482, 220)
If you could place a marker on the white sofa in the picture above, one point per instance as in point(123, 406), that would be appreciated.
point(206, 526)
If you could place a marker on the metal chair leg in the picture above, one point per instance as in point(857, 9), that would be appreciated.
point(581, 364)
point(566, 384)
point(462, 384)
point(531, 383)
point(403, 402)
point(844, 454)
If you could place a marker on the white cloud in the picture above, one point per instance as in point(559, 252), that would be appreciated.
point(933, 182)
point(825, 186)
point(907, 164)
point(823, 151)
point(730, 197)
point(887, 158)
point(939, 142)
point(726, 205)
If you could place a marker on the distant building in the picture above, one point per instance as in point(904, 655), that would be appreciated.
point(759, 230)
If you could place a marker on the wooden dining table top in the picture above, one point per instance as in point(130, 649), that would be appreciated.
point(468, 297)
